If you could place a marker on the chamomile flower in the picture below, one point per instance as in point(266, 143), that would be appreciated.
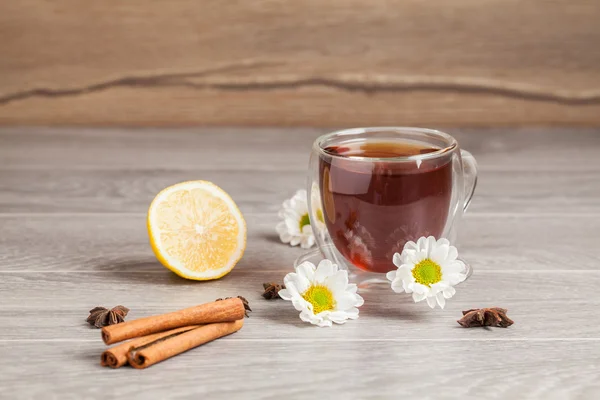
point(322, 294)
point(428, 269)
point(295, 228)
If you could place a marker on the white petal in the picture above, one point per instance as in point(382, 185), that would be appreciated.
point(352, 313)
point(438, 287)
point(352, 288)
point(301, 194)
point(397, 260)
point(336, 268)
point(431, 302)
point(307, 242)
point(398, 285)
point(338, 317)
point(281, 227)
point(419, 288)
point(391, 275)
point(405, 272)
point(290, 278)
point(324, 269)
point(454, 279)
point(296, 283)
point(421, 243)
point(344, 302)
point(440, 299)
point(306, 269)
point(443, 242)
point(337, 282)
point(420, 256)
point(452, 253)
point(293, 225)
point(410, 245)
point(417, 297)
point(300, 205)
point(430, 245)
point(324, 323)
point(449, 292)
point(307, 317)
point(358, 301)
point(439, 254)
point(462, 278)
point(285, 294)
point(291, 289)
point(453, 267)
point(410, 257)
point(285, 237)
point(289, 213)
point(302, 305)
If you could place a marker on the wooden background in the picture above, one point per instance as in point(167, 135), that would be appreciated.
point(311, 62)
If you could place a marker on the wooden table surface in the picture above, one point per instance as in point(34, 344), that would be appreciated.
point(72, 216)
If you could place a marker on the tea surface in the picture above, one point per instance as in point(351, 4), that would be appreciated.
point(380, 149)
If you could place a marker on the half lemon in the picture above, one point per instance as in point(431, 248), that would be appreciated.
point(196, 230)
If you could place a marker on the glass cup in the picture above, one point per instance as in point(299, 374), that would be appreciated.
point(371, 190)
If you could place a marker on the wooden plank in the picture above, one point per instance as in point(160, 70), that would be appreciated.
point(119, 243)
point(529, 149)
point(116, 243)
point(227, 369)
point(273, 63)
point(131, 191)
point(179, 149)
point(539, 303)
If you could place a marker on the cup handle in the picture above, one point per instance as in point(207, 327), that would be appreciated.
point(469, 176)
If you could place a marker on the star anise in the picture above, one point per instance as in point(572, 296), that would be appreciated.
point(272, 290)
point(494, 316)
point(244, 301)
point(101, 316)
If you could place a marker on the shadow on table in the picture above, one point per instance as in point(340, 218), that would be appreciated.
point(271, 237)
point(379, 304)
point(282, 312)
point(141, 271)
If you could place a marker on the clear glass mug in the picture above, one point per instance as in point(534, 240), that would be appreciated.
point(366, 201)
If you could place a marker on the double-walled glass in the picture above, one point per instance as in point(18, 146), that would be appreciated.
point(364, 209)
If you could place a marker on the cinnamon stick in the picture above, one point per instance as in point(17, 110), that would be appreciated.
point(176, 343)
point(218, 311)
point(116, 356)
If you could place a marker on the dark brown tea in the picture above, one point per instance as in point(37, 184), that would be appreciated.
point(373, 207)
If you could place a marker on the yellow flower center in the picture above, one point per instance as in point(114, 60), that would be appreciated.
point(304, 220)
point(427, 272)
point(320, 216)
point(320, 297)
